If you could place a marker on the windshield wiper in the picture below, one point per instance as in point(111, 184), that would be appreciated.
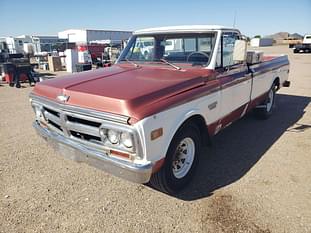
point(133, 63)
point(170, 64)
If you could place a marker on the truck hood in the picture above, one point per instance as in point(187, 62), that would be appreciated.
point(122, 89)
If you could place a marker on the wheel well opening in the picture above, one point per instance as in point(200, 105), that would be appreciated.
point(199, 121)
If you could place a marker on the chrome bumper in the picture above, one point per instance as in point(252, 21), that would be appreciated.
point(72, 150)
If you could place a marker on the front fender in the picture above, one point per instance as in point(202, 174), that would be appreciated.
point(170, 120)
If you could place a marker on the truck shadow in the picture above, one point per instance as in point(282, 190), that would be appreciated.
point(239, 147)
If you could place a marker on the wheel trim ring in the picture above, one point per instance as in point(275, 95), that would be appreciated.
point(270, 100)
point(189, 158)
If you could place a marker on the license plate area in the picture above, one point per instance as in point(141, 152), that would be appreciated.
point(70, 153)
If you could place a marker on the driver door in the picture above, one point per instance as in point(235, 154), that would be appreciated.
point(235, 81)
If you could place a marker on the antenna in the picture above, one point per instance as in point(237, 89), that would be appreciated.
point(234, 19)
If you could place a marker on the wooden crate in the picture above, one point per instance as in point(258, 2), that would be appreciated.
point(54, 63)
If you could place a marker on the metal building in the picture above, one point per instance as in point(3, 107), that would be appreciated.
point(86, 36)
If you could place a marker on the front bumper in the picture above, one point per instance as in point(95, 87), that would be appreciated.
point(72, 150)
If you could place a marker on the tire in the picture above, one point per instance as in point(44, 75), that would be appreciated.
point(266, 111)
point(180, 162)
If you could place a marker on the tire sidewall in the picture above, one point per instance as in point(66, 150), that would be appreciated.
point(268, 113)
point(263, 113)
point(174, 183)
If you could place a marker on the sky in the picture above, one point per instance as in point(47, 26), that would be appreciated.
point(261, 17)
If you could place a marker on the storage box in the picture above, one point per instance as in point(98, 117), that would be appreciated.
point(254, 57)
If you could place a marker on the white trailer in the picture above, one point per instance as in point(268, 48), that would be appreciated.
point(261, 42)
point(16, 44)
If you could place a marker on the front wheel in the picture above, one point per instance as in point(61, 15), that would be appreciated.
point(265, 111)
point(180, 162)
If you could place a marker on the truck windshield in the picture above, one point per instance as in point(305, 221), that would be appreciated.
point(190, 48)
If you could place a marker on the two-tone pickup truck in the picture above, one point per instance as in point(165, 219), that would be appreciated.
point(145, 118)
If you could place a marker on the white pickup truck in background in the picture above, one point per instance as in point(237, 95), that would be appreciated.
point(305, 47)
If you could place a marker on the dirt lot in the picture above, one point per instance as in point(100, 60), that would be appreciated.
point(255, 178)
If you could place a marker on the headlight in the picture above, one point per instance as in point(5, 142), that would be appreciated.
point(113, 136)
point(126, 140)
point(120, 139)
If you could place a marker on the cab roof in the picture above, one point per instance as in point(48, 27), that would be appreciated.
point(183, 29)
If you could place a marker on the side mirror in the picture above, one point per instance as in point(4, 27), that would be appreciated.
point(239, 52)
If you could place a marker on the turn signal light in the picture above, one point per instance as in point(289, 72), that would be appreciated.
point(156, 133)
point(120, 154)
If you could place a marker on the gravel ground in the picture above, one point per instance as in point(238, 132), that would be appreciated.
point(255, 178)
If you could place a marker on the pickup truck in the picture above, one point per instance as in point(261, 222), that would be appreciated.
point(146, 118)
point(305, 47)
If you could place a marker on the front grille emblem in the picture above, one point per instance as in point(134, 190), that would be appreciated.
point(63, 98)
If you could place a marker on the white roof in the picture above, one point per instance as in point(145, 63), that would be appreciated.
point(183, 29)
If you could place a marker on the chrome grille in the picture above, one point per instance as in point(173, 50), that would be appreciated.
point(52, 118)
point(83, 125)
point(73, 124)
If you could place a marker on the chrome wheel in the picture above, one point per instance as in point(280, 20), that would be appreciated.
point(180, 162)
point(183, 158)
point(269, 103)
point(266, 111)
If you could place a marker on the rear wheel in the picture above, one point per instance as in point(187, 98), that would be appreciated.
point(266, 109)
point(180, 162)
